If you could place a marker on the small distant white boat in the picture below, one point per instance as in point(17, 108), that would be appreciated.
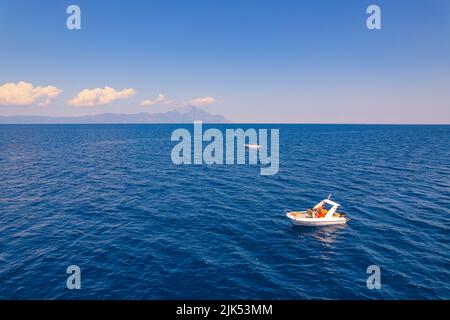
point(319, 216)
point(253, 146)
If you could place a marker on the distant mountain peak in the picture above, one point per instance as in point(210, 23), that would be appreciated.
point(186, 114)
point(187, 109)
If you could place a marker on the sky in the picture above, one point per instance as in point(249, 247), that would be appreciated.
point(249, 60)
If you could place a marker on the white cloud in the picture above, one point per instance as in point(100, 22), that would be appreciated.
point(203, 101)
point(24, 93)
point(148, 102)
point(100, 96)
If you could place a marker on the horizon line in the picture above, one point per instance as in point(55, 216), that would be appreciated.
point(230, 123)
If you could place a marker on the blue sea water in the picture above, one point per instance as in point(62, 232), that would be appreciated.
point(109, 199)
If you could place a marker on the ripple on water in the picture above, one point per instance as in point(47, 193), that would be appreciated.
point(109, 199)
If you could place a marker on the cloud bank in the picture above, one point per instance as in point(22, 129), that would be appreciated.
point(148, 102)
point(24, 93)
point(203, 101)
point(100, 96)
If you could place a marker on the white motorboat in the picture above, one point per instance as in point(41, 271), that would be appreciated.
point(319, 215)
point(253, 146)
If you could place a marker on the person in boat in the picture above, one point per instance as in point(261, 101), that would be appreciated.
point(320, 211)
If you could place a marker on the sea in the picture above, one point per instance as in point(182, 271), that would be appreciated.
point(109, 199)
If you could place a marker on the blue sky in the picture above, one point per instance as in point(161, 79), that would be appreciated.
point(251, 61)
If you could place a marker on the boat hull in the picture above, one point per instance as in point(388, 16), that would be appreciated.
point(302, 219)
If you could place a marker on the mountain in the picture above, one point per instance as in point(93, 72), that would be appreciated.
point(182, 115)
